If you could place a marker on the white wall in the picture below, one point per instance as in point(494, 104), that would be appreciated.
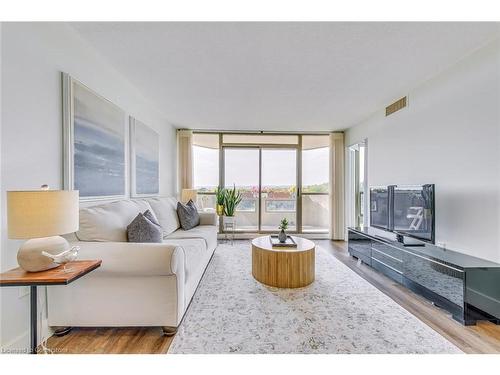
point(33, 56)
point(449, 135)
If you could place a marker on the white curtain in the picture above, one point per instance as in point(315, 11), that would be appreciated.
point(337, 230)
point(184, 160)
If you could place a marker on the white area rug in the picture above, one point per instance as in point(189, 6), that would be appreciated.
point(340, 312)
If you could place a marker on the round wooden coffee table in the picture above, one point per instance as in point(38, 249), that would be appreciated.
point(283, 267)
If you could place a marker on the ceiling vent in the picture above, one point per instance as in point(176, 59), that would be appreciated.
point(396, 106)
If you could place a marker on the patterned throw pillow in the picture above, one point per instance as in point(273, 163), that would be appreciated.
point(188, 215)
point(142, 229)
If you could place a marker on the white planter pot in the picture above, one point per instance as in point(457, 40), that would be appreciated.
point(229, 219)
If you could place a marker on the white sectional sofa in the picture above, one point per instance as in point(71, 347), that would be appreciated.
point(138, 284)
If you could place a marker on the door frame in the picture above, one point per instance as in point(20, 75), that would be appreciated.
point(355, 205)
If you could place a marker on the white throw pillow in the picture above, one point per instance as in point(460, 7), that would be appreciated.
point(108, 222)
point(165, 210)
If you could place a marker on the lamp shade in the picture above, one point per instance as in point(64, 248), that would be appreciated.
point(41, 213)
point(188, 194)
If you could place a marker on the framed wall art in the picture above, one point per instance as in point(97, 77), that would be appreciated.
point(95, 160)
point(144, 160)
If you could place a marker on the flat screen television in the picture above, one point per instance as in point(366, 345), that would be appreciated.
point(413, 212)
point(379, 207)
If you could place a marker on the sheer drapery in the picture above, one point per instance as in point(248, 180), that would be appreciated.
point(337, 230)
point(185, 160)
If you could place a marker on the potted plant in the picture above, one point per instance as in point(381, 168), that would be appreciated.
point(283, 227)
point(232, 199)
point(220, 194)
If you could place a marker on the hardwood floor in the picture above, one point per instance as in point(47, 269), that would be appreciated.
point(131, 340)
point(482, 338)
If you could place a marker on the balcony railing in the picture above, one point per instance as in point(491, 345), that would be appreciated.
point(315, 212)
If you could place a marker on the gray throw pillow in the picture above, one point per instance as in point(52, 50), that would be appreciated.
point(151, 216)
point(142, 229)
point(188, 215)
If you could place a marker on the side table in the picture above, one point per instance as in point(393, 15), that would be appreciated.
point(62, 275)
point(229, 227)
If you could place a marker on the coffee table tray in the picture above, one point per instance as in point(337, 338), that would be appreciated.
point(275, 242)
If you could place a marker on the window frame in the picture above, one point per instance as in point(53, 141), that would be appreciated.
point(300, 193)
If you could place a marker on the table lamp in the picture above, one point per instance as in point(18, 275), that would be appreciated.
point(188, 194)
point(41, 216)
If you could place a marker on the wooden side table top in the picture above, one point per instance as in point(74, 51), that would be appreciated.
point(264, 243)
point(61, 275)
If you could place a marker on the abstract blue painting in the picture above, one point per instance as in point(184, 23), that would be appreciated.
point(145, 163)
point(98, 145)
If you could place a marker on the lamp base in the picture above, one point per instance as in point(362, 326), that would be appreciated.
point(30, 256)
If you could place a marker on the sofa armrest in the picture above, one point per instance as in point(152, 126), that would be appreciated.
point(134, 259)
point(208, 218)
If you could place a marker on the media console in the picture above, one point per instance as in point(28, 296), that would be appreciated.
point(466, 286)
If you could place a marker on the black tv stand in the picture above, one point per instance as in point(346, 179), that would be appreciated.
point(405, 244)
point(464, 285)
point(404, 241)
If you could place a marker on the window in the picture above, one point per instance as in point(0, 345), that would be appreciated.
point(265, 169)
point(315, 183)
point(205, 169)
point(205, 162)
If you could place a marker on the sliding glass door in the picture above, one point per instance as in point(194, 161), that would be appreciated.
point(241, 170)
point(267, 179)
point(279, 175)
point(278, 188)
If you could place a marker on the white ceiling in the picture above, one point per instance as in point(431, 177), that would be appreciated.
point(279, 76)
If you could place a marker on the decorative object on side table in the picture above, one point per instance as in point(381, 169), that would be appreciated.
point(220, 194)
point(41, 216)
point(283, 227)
point(64, 257)
point(276, 242)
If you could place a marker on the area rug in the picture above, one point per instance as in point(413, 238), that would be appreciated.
point(340, 312)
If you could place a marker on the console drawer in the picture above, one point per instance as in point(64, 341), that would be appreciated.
point(361, 256)
point(360, 247)
point(388, 260)
point(388, 250)
point(388, 271)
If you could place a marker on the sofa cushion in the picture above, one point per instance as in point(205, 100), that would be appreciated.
point(195, 254)
point(188, 215)
point(206, 232)
point(165, 211)
point(208, 218)
point(142, 229)
point(109, 221)
point(133, 259)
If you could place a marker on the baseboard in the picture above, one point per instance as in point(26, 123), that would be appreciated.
point(20, 344)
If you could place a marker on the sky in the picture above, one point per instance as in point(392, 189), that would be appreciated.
point(242, 167)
